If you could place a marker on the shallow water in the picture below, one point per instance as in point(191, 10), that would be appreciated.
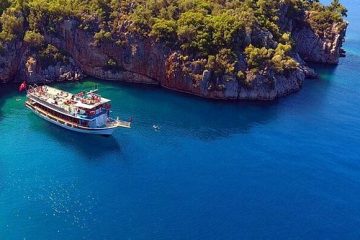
point(289, 169)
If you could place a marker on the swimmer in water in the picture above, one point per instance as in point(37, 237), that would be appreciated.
point(156, 127)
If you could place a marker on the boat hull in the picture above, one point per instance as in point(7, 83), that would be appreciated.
point(95, 131)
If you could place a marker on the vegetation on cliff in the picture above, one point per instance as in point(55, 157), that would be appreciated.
point(220, 33)
point(321, 17)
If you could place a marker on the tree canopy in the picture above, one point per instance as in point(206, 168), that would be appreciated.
point(215, 30)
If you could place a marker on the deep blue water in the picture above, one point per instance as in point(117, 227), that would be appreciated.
point(289, 169)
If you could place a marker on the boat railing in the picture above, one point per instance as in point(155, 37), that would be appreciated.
point(118, 123)
point(32, 87)
point(34, 90)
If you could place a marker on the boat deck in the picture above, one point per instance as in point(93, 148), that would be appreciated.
point(66, 101)
point(84, 112)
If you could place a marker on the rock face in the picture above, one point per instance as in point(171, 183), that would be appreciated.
point(10, 60)
point(17, 65)
point(319, 47)
point(138, 61)
point(33, 72)
point(143, 60)
point(228, 87)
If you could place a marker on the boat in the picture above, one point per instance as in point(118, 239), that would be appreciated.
point(84, 112)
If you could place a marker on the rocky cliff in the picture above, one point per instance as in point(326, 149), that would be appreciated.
point(10, 57)
point(319, 46)
point(144, 60)
point(18, 63)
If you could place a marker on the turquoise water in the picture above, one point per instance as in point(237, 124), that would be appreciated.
point(213, 170)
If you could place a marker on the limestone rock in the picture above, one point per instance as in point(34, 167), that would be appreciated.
point(139, 59)
point(319, 47)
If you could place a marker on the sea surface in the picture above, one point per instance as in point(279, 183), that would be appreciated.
point(190, 168)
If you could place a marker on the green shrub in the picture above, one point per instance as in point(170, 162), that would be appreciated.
point(273, 59)
point(50, 55)
point(102, 36)
point(164, 30)
point(112, 65)
point(226, 27)
point(34, 39)
point(12, 25)
point(337, 7)
point(142, 19)
point(322, 17)
point(195, 32)
point(281, 61)
point(258, 58)
point(4, 4)
point(222, 63)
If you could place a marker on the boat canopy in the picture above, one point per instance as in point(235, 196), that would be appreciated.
point(90, 106)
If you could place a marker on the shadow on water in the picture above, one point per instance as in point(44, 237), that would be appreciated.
point(91, 146)
point(179, 113)
point(6, 91)
point(326, 74)
point(323, 69)
point(314, 95)
point(190, 115)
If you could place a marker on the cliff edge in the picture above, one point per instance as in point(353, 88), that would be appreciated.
point(255, 60)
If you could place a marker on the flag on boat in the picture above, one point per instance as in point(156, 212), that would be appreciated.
point(22, 87)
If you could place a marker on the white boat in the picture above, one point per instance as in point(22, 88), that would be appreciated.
point(85, 112)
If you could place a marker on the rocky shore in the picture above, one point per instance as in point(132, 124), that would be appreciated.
point(144, 60)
